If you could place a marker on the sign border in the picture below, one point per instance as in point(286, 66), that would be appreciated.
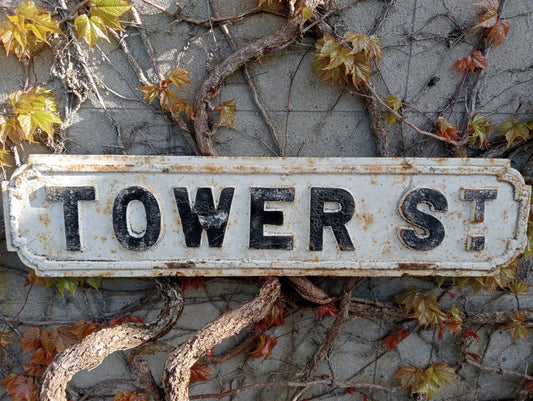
point(49, 164)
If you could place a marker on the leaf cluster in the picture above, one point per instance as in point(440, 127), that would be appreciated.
point(62, 283)
point(168, 100)
point(428, 381)
point(496, 28)
point(27, 30)
point(348, 60)
point(103, 15)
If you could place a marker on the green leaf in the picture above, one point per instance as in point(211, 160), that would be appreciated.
point(179, 77)
point(109, 11)
point(513, 130)
point(90, 29)
point(307, 14)
point(94, 282)
point(227, 112)
point(64, 283)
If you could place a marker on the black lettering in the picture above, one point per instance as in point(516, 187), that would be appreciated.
point(153, 219)
point(70, 197)
point(319, 218)
point(433, 229)
point(259, 217)
point(204, 215)
point(478, 198)
point(475, 243)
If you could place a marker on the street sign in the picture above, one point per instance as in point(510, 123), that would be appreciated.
point(220, 216)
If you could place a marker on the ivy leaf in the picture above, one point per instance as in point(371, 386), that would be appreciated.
point(474, 60)
point(488, 19)
point(479, 126)
point(227, 112)
point(489, 4)
point(33, 338)
point(519, 288)
point(62, 338)
point(360, 70)
point(179, 77)
point(168, 100)
point(498, 33)
point(407, 376)
point(307, 14)
point(94, 282)
point(34, 369)
point(474, 356)
point(394, 103)
point(516, 327)
point(447, 130)
point(64, 283)
point(43, 356)
point(513, 130)
point(328, 309)
point(90, 29)
point(82, 328)
point(374, 49)
point(21, 387)
point(4, 339)
point(469, 333)
point(150, 92)
point(33, 109)
point(359, 41)
point(199, 373)
point(392, 340)
point(267, 344)
point(274, 317)
point(25, 32)
point(109, 10)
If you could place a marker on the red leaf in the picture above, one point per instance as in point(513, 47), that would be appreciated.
point(33, 338)
point(21, 387)
point(126, 319)
point(34, 369)
point(498, 33)
point(191, 282)
point(33, 279)
point(350, 390)
point(529, 387)
point(329, 309)
point(476, 59)
point(62, 338)
point(447, 130)
point(82, 329)
point(199, 373)
point(275, 317)
point(474, 356)
point(452, 296)
point(365, 398)
point(471, 333)
point(326, 376)
point(392, 340)
point(265, 347)
point(488, 19)
point(42, 356)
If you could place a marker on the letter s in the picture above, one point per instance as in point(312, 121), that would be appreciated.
point(433, 229)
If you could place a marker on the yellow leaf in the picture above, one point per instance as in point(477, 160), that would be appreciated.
point(109, 11)
point(179, 77)
point(359, 41)
point(307, 14)
point(150, 92)
point(90, 29)
point(168, 100)
point(513, 130)
point(227, 112)
point(374, 48)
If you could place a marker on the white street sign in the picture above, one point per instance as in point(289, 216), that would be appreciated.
point(218, 216)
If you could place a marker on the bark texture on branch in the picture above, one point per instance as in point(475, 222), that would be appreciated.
point(209, 87)
point(93, 349)
point(177, 369)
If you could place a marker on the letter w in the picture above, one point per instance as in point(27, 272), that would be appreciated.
point(203, 215)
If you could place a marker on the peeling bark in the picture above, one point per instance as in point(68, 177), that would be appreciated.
point(177, 369)
point(93, 349)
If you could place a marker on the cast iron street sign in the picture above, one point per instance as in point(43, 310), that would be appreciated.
point(149, 216)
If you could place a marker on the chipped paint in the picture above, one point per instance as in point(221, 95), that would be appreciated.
point(224, 216)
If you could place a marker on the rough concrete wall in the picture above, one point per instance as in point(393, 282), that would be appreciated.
point(421, 41)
